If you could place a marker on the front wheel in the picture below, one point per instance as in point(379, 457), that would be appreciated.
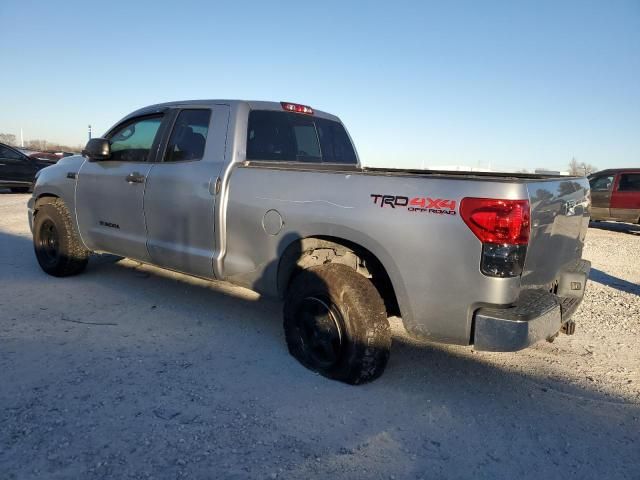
point(57, 245)
point(336, 324)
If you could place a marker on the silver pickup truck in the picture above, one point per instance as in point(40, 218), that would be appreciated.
point(272, 196)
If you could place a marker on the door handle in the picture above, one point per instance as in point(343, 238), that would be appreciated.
point(135, 177)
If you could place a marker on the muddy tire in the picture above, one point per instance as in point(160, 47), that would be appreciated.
point(335, 324)
point(58, 247)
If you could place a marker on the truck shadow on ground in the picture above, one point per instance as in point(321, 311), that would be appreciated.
point(432, 403)
point(614, 282)
point(140, 287)
point(621, 227)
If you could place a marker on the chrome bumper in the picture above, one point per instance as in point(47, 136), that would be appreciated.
point(537, 315)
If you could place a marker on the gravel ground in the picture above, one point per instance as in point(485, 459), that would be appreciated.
point(130, 371)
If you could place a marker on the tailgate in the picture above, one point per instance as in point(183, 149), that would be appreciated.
point(560, 212)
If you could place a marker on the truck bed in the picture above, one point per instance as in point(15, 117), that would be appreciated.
point(450, 174)
point(498, 176)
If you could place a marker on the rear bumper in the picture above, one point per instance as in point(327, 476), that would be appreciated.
point(537, 315)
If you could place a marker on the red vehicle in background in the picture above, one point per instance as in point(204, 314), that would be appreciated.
point(615, 195)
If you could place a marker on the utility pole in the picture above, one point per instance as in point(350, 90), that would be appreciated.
point(21, 138)
point(89, 131)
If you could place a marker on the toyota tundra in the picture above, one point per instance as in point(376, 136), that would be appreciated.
point(272, 196)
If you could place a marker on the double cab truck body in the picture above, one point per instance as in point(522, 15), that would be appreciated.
point(615, 195)
point(272, 196)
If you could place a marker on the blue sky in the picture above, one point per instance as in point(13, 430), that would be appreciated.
point(510, 84)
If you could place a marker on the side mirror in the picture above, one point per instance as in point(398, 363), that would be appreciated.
point(97, 149)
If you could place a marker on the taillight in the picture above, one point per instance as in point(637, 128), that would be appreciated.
point(497, 221)
point(296, 108)
point(503, 228)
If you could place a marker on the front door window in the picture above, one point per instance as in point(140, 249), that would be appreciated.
point(132, 142)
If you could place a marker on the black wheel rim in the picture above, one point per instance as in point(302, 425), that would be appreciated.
point(321, 331)
point(48, 243)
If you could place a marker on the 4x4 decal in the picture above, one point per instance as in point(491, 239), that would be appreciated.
point(439, 206)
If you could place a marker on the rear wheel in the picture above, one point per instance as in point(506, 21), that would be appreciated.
point(335, 323)
point(57, 244)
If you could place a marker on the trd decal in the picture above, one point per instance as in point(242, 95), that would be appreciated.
point(439, 206)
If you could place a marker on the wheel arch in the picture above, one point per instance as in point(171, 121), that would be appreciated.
point(43, 198)
point(35, 202)
point(309, 251)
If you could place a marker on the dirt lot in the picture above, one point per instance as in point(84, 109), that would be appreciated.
point(129, 371)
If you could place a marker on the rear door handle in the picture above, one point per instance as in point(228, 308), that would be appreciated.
point(135, 177)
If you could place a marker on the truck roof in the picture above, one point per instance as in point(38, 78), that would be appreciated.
point(253, 105)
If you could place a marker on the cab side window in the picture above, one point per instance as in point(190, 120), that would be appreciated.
point(189, 136)
point(601, 183)
point(291, 137)
point(629, 182)
point(133, 141)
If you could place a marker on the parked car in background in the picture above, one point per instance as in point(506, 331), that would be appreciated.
point(50, 156)
point(615, 195)
point(17, 170)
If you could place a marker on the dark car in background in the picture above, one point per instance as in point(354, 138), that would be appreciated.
point(50, 156)
point(615, 195)
point(17, 170)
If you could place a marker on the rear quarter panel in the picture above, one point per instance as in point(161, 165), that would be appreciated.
point(432, 260)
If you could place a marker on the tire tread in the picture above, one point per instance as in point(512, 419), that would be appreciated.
point(75, 255)
point(366, 316)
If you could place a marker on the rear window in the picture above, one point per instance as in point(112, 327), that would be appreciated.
point(292, 137)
